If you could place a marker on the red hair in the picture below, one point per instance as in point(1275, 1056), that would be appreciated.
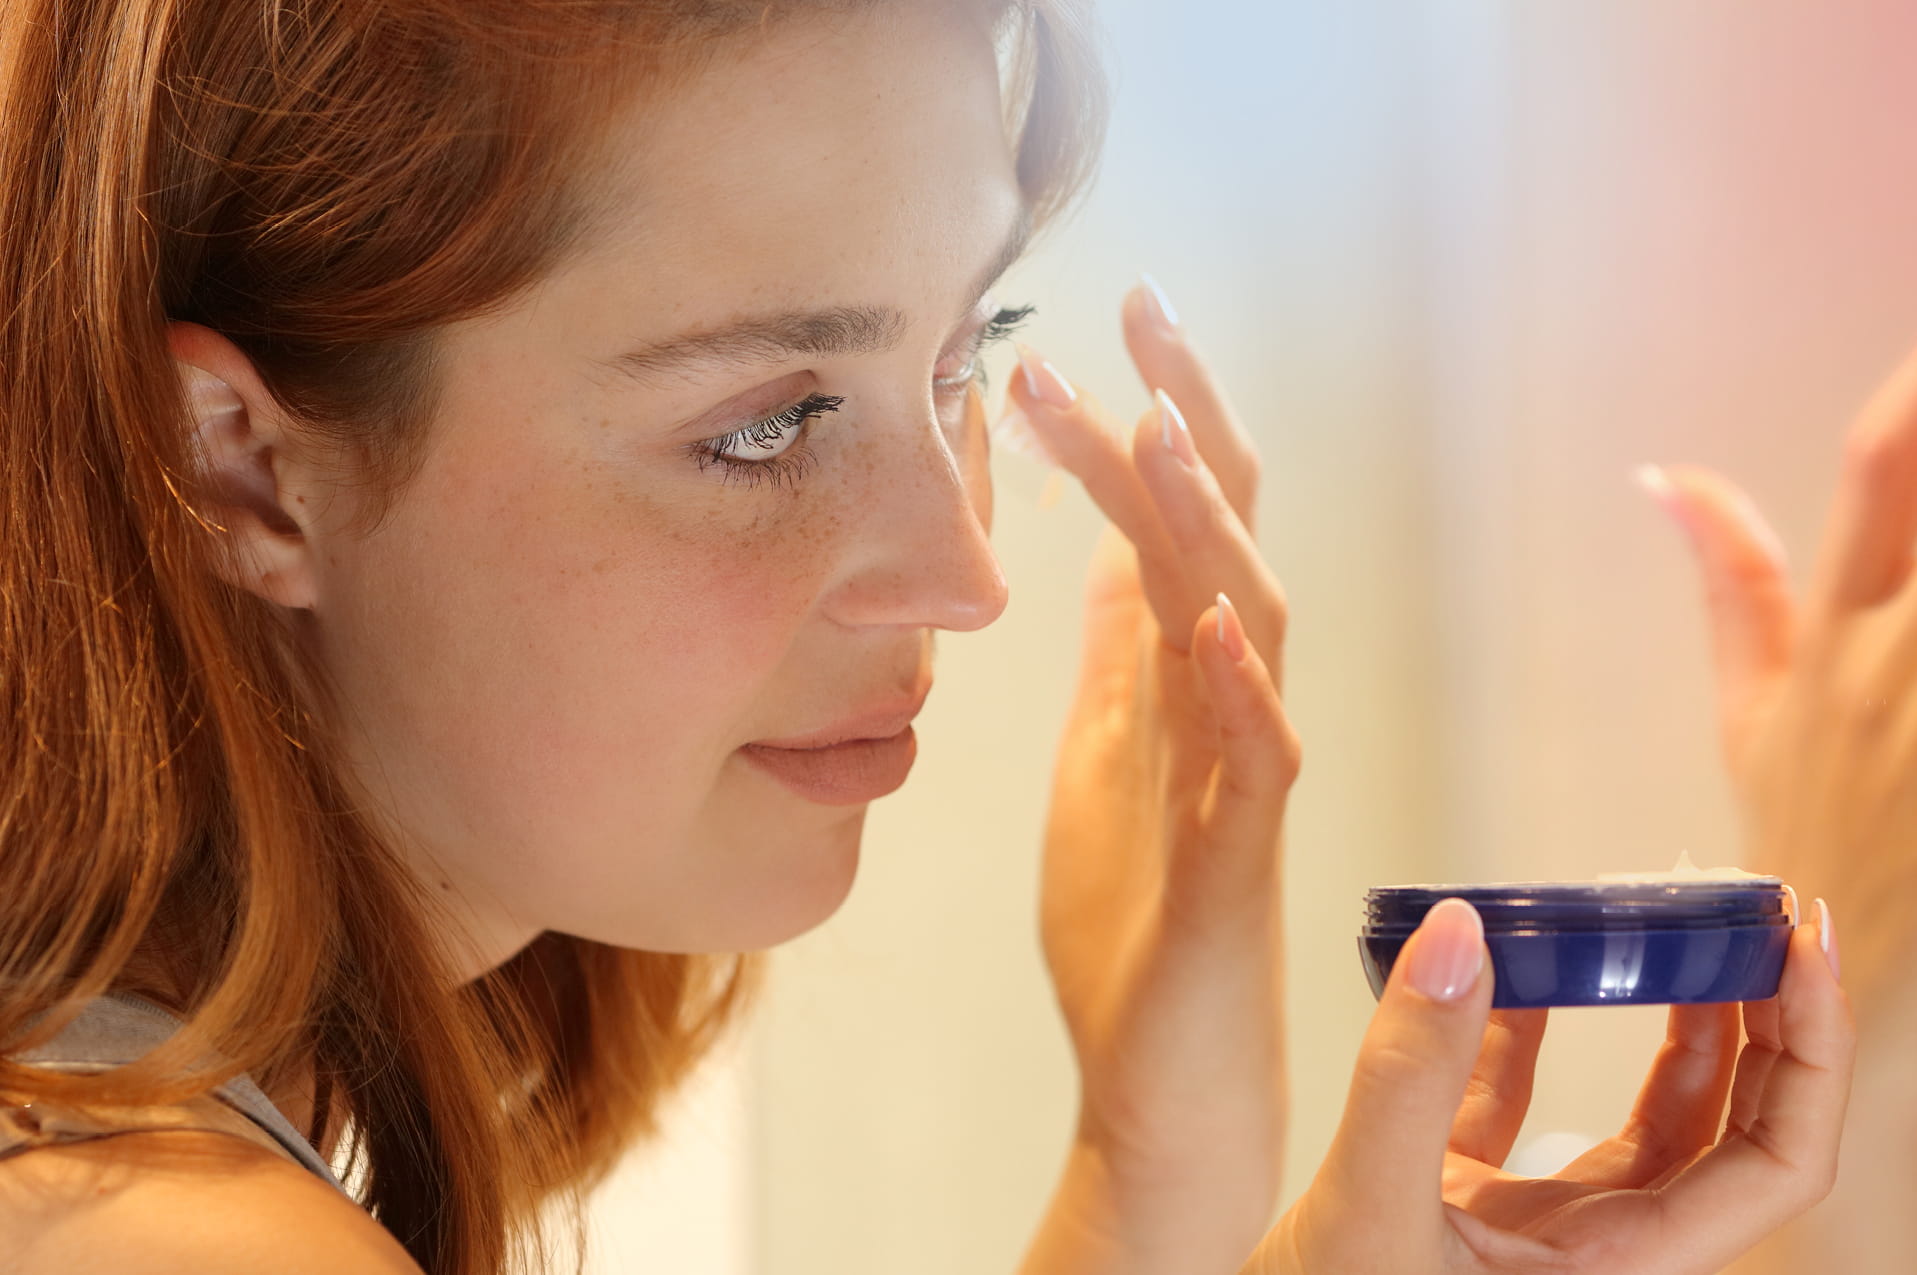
point(325, 183)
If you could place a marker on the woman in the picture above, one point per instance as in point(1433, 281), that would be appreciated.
point(481, 482)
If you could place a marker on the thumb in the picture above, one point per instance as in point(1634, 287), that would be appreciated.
point(1387, 1160)
point(1746, 583)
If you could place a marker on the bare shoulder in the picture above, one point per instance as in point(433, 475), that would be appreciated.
point(168, 1202)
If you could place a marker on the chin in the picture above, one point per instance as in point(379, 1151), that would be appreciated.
point(814, 882)
point(774, 886)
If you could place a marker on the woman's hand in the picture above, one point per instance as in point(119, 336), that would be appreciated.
point(1439, 1095)
point(1818, 698)
point(1160, 906)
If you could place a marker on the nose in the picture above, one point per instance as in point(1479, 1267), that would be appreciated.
point(919, 554)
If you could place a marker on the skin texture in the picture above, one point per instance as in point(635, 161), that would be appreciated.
point(182, 1202)
point(548, 655)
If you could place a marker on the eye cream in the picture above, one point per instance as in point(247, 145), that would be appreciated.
point(1685, 937)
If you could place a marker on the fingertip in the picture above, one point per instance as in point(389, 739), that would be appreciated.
point(1656, 482)
point(1040, 383)
point(1147, 309)
point(1446, 960)
point(1707, 501)
point(1229, 629)
point(1262, 745)
point(1813, 1011)
point(1218, 641)
point(1827, 940)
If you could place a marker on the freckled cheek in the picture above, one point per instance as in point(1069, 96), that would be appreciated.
point(696, 595)
point(975, 459)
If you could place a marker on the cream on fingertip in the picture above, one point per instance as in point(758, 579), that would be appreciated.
point(1013, 432)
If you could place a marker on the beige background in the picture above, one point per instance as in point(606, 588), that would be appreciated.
point(1465, 264)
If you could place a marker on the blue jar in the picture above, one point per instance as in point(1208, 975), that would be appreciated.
point(1605, 943)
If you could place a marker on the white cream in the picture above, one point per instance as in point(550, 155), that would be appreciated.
point(1684, 870)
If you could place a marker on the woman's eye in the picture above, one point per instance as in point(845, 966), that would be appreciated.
point(761, 450)
point(960, 368)
point(955, 371)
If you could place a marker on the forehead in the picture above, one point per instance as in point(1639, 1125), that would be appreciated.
point(844, 157)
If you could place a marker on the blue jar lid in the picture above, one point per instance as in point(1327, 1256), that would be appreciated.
point(1567, 906)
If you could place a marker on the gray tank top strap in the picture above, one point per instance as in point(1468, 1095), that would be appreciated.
point(118, 1028)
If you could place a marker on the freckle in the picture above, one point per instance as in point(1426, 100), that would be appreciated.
point(604, 565)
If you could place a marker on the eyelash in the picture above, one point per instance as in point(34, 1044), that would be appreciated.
point(996, 329)
point(793, 465)
point(787, 468)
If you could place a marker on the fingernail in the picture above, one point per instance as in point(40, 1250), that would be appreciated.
point(1656, 481)
point(1827, 937)
point(1043, 382)
point(1159, 306)
point(1761, 531)
point(1013, 432)
point(1176, 434)
point(1231, 630)
point(1447, 955)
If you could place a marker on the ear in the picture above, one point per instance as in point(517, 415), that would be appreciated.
point(251, 491)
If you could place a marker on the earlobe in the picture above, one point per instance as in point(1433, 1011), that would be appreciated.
point(247, 493)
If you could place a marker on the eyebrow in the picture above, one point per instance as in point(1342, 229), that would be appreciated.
point(832, 331)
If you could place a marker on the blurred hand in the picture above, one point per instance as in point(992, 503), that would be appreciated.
point(1818, 697)
point(1412, 1184)
point(1160, 905)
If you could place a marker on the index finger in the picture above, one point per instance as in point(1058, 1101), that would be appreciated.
point(1498, 1095)
point(1866, 554)
point(1167, 361)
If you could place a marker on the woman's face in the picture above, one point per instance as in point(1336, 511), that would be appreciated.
point(717, 480)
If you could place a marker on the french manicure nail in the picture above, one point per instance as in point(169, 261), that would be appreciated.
point(1654, 480)
point(1175, 433)
point(1043, 382)
point(1827, 937)
point(1447, 955)
point(1231, 632)
point(1761, 531)
point(1159, 306)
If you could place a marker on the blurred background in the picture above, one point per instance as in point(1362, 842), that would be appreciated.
point(1465, 265)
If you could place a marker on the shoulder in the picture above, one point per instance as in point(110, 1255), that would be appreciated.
point(177, 1201)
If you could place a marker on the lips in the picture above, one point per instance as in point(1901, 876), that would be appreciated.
point(861, 758)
